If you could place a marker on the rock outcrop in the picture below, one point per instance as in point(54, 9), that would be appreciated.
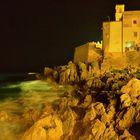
point(100, 106)
point(48, 128)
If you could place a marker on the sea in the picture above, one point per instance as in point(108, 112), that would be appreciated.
point(20, 92)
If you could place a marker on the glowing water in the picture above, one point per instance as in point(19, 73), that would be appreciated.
point(15, 98)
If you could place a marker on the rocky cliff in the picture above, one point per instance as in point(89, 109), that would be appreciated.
point(99, 106)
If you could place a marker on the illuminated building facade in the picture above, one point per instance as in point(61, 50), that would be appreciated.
point(123, 34)
point(88, 52)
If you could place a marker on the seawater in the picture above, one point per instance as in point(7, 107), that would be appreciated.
point(17, 96)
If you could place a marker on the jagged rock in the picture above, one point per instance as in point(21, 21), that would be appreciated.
point(126, 118)
point(137, 108)
point(89, 82)
point(47, 109)
point(73, 72)
point(107, 118)
point(69, 121)
point(83, 71)
point(31, 115)
point(132, 88)
point(68, 74)
point(48, 71)
point(126, 136)
point(63, 74)
point(99, 107)
point(4, 116)
point(103, 115)
point(49, 128)
point(89, 116)
point(94, 131)
point(98, 129)
point(55, 75)
point(109, 134)
point(65, 102)
point(125, 100)
point(87, 101)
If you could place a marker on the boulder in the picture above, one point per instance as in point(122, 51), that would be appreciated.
point(3, 116)
point(126, 118)
point(48, 128)
point(87, 101)
point(132, 88)
point(126, 136)
point(98, 129)
point(69, 121)
point(89, 116)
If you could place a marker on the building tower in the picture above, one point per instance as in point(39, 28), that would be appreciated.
point(119, 12)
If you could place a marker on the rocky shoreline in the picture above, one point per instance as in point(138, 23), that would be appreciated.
point(98, 106)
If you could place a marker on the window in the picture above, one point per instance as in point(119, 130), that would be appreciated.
point(135, 34)
point(134, 21)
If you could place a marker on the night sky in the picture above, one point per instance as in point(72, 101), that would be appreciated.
point(45, 33)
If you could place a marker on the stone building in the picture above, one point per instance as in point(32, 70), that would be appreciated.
point(123, 34)
point(88, 52)
point(120, 45)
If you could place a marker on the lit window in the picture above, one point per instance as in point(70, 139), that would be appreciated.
point(135, 34)
point(129, 45)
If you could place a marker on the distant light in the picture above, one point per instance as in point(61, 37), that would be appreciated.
point(129, 44)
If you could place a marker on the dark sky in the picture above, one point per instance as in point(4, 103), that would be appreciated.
point(45, 33)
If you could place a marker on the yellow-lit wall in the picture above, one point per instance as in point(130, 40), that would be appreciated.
point(94, 54)
point(106, 36)
point(129, 28)
point(81, 53)
point(87, 53)
point(112, 36)
point(119, 11)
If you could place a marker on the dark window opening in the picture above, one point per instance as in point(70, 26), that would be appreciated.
point(135, 34)
point(138, 48)
point(134, 21)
